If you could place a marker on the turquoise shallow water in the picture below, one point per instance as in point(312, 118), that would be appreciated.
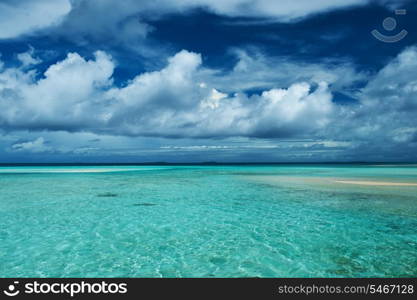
point(203, 221)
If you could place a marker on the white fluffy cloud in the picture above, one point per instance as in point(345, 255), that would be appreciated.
point(255, 71)
point(78, 95)
point(64, 98)
point(23, 16)
point(28, 59)
point(389, 102)
point(185, 99)
point(284, 10)
point(123, 20)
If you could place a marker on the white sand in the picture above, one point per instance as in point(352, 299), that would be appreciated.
point(328, 181)
point(376, 183)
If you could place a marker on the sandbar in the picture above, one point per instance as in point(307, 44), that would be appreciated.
point(376, 183)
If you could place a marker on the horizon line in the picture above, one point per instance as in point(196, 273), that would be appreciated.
point(199, 163)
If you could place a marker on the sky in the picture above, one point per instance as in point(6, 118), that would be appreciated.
point(208, 81)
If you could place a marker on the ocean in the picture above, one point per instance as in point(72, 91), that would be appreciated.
point(209, 221)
